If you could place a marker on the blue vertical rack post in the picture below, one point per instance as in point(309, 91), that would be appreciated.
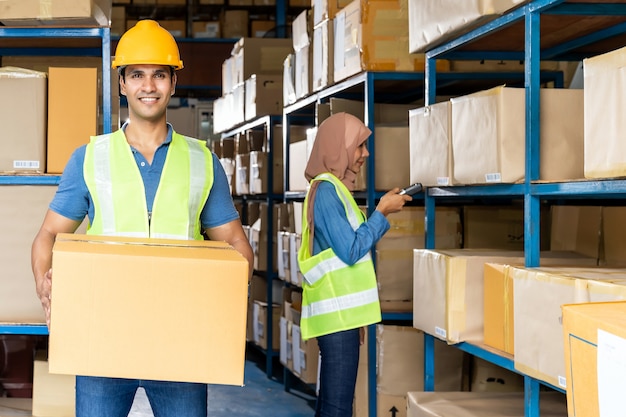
point(531, 190)
point(103, 34)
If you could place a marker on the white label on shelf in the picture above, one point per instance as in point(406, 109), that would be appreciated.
point(611, 358)
point(26, 164)
point(562, 381)
point(441, 332)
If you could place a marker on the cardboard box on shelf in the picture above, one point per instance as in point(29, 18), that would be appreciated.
point(374, 36)
point(430, 145)
point(55, 13)
point(603, 117)
point(53, 394)
point(594, 336)
point(20, 219)
point(434, 21)
point(489, 128)
point(322, 70)
point(22, 120)
point(147, 309)
point(448, 292)
point(538, 296)
point(71, 120)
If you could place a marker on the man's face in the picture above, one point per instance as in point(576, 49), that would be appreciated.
point(148, 89)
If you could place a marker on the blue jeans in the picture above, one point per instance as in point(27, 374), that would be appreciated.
point(113, 397)
point(339, 362)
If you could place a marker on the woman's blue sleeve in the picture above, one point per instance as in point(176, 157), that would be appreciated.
point(332, 228)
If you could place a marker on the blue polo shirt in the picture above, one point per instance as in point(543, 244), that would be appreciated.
point(332, 228)
point(73, 200)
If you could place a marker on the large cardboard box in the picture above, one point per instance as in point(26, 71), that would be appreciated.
point(149, 309)
point(448, 293)
point(55, 12)
point(481, 404)
point(22, 120)
point(605, 150)
point(71, 119)
point(538, 296)
point(434, 21)
point(489, 135)
point(374, 36)
point(594, 340)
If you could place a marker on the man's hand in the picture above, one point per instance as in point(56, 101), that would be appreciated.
point(44, 291)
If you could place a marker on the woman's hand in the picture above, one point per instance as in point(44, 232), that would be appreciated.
point(392, 202)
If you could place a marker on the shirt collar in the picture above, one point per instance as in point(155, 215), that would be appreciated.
point(170, 131)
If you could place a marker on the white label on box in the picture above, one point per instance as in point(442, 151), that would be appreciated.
point(280, 260)
point(611, 374)
point(297, 356)
point(255, 320)
point(283, 341)
point(493, 177)
point(441, 332)
point(26, 164)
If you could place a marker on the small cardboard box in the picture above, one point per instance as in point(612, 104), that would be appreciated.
point(172, 310)
point(53, 394)
point(594, 338)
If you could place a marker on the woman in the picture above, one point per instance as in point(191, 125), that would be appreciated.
point(340, 293)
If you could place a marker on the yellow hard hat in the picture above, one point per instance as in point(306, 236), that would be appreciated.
point(147, 43)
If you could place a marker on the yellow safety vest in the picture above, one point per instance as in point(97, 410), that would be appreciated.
point(119, 197)
point(336, 296)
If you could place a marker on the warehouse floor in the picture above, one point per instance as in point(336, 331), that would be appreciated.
point(260, 396)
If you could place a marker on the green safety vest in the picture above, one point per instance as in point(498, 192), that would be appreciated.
point(119, 197)
point(336, 296)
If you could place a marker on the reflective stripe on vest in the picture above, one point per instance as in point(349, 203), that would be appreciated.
point(336, 296)
point(119, 195)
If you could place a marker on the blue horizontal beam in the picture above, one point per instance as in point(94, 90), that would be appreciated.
point(24, 329)
point(51, 32)
point(504, 190)
point(29, 179)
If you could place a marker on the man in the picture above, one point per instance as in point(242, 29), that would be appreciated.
point(143, 180)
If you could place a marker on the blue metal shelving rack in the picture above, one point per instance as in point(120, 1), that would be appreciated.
point(267, 124)
point(103, 50)
point(532, 192)
point(367, 81)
